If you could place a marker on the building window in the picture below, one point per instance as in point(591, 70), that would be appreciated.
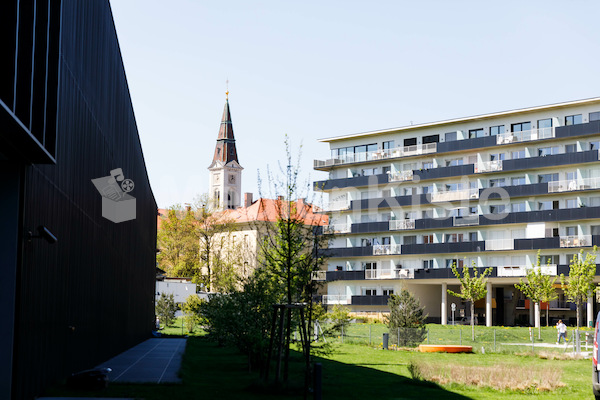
point(571, 203)
point(571, 230)
point(458, 262)
point(386, 193)
point(365, 242)
point(498, 182)
point(427, 239)
point(496, 130)
point(388, 292)
point(497, 157)
point(386, 170)
point(548, 205)
point(594, 145)
point(472, 236)
point(595, 116)
point(410, 141)
point(427, 264)
point(545, 260)
point(544, 123)
point(475, 133)
point(547, 151)
point(573, 119)
point(369, 265)
point(410, 239)
point(427, 189)
point(427, 164)
point(453, 238)
point(521, 126)
point(388, 145)
point(497, 209)
point(517, 181)
point(570, 148)
point(545, 178)
point(427, 214)
point(369, 292)
point(431, 139)
point(517, 207)
point(386, 240)
point(450, 136)
point(454, 162)
point(515, 155)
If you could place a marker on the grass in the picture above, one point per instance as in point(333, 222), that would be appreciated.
point(351, 372)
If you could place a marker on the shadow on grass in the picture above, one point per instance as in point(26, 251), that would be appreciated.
point(209, 371)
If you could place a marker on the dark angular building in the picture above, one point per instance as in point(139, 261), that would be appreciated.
point(66, 118)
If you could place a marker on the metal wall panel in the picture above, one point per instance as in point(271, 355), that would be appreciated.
point(90, 295)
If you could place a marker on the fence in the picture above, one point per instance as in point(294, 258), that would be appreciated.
point(493, 339)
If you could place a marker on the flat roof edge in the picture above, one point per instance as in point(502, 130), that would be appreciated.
point(463, 119)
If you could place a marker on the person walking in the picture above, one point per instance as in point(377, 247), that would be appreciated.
point(562, 331)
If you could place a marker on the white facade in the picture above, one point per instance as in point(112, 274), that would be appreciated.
point(178, 287)
point(491, 190)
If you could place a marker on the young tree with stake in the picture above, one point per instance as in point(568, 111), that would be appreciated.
point(471, 288)
point(580, 284)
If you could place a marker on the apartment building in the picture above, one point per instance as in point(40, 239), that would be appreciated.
point(488, 190)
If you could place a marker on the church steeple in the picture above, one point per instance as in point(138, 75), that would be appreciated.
point(225, 172)
point(225, 150)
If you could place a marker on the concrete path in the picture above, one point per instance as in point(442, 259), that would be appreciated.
point(153, 361)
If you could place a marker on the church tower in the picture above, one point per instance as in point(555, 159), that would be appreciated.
point(225, 170)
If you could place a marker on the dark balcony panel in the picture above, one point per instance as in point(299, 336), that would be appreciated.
point(431, 248)
point(550, 161)
point(390, 202)
point(590, 128)
point(466, 144)
point(357, 181)
point(433, 223)
point(444, 172)
point(348, 251)
point(596, 241)
point(370, 300)
point(446, 273)
point(517, 191)
point(344, 275)
point(537, 243)
point(541, 216)
point(367, 227)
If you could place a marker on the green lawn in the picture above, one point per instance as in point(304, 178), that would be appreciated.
point(352, 372)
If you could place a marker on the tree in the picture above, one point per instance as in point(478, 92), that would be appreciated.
point(177, 242)
point(192, 311)
point(218, 255)
point(580, 284)
point(406, 319)
point(290, 249)
point(471, 288)
point(539, 287)
point(340, 318)
point(166, 308)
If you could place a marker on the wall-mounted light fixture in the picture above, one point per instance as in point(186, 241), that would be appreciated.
point(43, 233)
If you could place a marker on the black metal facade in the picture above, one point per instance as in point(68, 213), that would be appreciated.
point(67, 118)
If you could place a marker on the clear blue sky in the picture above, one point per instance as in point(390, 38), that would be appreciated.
point(316, 69)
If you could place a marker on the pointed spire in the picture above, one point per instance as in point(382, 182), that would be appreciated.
point(225, 150)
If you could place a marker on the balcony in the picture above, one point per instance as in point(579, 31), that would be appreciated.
point(454, 195)
point(525, 136)
point(379, 300)
point(521, 270)
point(488, 166)
point(318, 276)
point(340, 205)
point(402, 224)
point(468, 220)
point(499, 244)
point(576, 241)
point(573, 184)
point(336, 299)
point(386, 249)
point(382, 154)
point(336, 228)
point(401, 176)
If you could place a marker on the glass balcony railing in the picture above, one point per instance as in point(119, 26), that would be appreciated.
point(337, 228)
point(453, 195)
point(576, 241)
point(401, 176)
point(386, 249)
point(488, 166)
point(573, 184)
point(381, 154)
point(336, 299)
point(401, 224)
point(499, 244)
point(521, 270)
point(525, 136)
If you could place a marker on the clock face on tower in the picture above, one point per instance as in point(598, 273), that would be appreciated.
point(217, 178)
point(231, 178)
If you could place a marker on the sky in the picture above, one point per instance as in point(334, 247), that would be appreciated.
point(318, 69)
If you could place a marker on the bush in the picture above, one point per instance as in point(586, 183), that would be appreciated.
point(340, 318)
point(166, 308)
point(192, 312)
point(406, 321)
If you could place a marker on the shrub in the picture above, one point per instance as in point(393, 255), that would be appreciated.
point(406, 319)
point(166, 308)
point(191, 312)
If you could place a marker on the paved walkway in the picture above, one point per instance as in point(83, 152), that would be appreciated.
point(153, 361)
